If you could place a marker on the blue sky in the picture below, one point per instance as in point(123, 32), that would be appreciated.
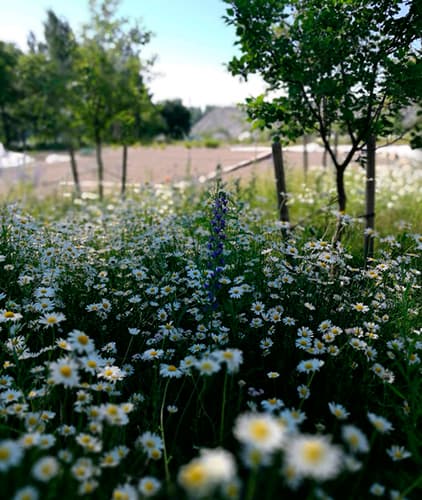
point(191, 41)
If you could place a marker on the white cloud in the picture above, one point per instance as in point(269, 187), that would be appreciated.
point(16, 34)
point(199, 85)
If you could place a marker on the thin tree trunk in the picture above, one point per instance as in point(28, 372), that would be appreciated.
point(305, 157)
point(341, 201)
point(336, 146)
point(124, 171)
point(280, 182)
point(324, 158)
point(370, 199)
point(6, 129)
point(100, 167)
point(74, 167)
point(341, 192)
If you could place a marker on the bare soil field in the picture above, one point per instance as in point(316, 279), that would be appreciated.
point(145, 165)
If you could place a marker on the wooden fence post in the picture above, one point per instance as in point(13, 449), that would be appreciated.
point(280, 181)
point(370, 199)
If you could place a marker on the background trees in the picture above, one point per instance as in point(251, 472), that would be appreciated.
point(68, 90)
point(9, 93)
point(109, 68)
point(177, 119)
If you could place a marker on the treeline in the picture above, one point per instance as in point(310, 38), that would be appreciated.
point(69, 90)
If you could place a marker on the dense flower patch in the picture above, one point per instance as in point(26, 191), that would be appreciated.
point(210, 353)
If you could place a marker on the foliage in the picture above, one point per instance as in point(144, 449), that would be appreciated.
point(347, 65)
point(177, 119)
point(9, 94)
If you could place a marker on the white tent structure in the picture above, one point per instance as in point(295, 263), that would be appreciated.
point(10, 159)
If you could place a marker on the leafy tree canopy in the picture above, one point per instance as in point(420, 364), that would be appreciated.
point(353, 64)
point(177, 119)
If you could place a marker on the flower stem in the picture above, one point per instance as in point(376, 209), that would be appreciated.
point(250, 491)
point(163, 437)
point(411, 487)
point(127, 350)
point(223, 408)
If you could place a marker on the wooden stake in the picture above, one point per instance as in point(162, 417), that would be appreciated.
point(280, 182)
point(370, 199)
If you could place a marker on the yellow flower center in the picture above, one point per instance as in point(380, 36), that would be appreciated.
point(313, 452)
point(353, 440)
point(80, 471)
point(120, 495)
point(66, 371)
point(83, 339)
point(4, 454)
point(193, 475)
point(9, 314)
point(112, 410)
point(148, 486)
point(259, 430)
point(46, 469)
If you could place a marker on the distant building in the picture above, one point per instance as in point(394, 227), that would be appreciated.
point(223, 123)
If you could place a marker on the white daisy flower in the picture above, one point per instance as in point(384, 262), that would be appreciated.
point(10, 454)
point(397, 453)
point(45, 469)
point(64, 371)
point(149, 486)
point(355, 438)
point(381, 424)
point(314, 457)
point(26, 493)
point(51, 319)
point(259, 430)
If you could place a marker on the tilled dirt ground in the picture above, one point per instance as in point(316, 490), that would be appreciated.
point(145, 165)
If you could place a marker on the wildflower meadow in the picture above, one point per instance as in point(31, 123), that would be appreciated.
point(183, 343)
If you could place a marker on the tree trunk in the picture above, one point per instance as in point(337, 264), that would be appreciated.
point(124, 172)
point(280, 182)
point(324, 158)
point(305, 157)
point(341, 201)
point(6, 129)
point(370, 199)
point(74, 167)
point(100, 167)
point(336, 146)
point(341, 192)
